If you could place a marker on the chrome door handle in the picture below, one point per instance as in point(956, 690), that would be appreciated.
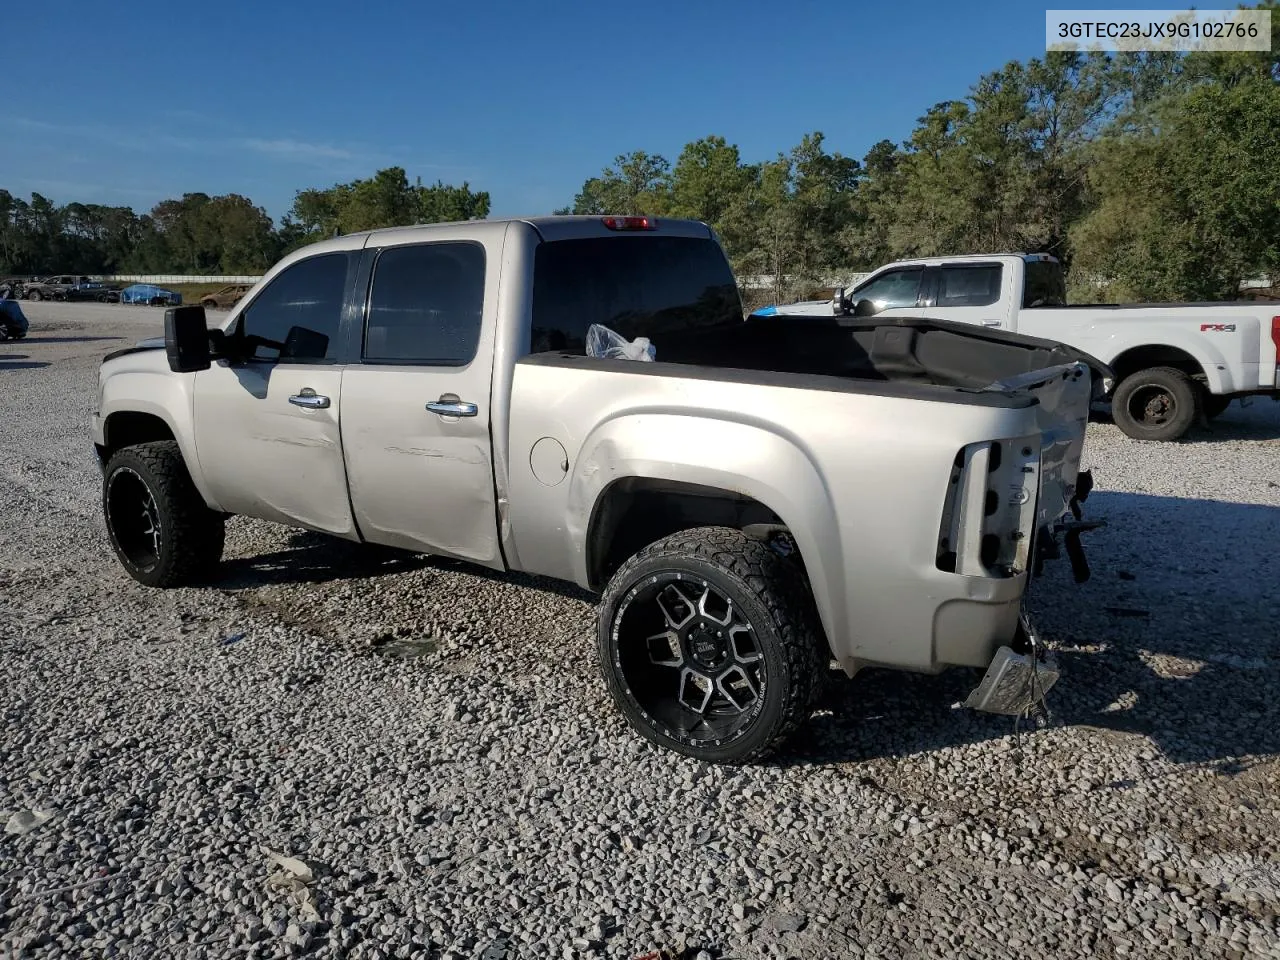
point(312, 401)
point(991, 323)
point(450, 406)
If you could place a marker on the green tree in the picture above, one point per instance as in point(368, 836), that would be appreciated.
point(711, 183)
point(386, 199)
point(637, 183)
point(1004, 168)
point(1190, 208)
point(441, 203)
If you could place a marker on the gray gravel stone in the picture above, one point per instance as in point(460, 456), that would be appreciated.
point(483, 795)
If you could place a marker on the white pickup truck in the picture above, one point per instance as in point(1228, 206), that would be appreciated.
point(1173, 362)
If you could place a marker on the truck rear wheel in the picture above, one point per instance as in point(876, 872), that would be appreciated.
point(1156, 404)
point(160, 527)
point(709, 645)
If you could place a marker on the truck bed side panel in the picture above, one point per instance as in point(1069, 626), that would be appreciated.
point(1232, 343)
point(859, 475)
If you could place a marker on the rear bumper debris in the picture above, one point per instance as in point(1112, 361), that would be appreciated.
point(1071, 530)
point(1015, 683)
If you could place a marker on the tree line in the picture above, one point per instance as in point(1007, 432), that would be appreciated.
point(200, 234)
point(1151, 176)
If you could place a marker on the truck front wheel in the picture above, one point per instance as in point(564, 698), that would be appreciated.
point(159, 525)
point(709, 644)
point(1156, 404)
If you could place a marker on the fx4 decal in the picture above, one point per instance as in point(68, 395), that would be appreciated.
point(1218, 327)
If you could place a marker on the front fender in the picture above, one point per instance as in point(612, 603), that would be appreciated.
point(161, 394)
point(753, 460)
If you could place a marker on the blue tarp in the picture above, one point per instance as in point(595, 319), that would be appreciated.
point(146, 292)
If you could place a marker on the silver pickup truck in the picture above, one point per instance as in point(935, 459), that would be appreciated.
point(757, 500)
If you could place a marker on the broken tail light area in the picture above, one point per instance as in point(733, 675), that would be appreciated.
point(989, 513)
point(630, 223)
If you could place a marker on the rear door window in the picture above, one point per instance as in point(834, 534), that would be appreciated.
point(969, 285)
point(426, 304)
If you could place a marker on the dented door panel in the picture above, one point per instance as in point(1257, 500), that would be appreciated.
point(419, 480)
point(417, 403)
point(263, 455)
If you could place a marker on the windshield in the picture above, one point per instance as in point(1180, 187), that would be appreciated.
point(668, 289)
point(1045, 285)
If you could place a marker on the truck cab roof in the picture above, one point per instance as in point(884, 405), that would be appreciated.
point(564, 227)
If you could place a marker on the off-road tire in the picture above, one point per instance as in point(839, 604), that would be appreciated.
point(774, 600)
point(190, 537)
point(1167, 384)
point(35, 296)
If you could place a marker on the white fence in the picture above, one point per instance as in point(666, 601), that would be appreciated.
point(765, 281)
point(160, 279)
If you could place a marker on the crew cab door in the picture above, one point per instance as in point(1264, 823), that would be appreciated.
point(415, 399)
point(266, 428)
point(978, 293)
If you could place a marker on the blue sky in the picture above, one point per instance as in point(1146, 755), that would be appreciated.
point(138, 101)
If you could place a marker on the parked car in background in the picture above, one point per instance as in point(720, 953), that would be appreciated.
point(55, 287)
point(1173, 362)
point(11, 288)
point(225, 298)
point(99, 292)
point(149, 293)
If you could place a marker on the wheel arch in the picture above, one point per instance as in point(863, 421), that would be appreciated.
point(633, 512)
point(143, 405)
point(1209, 371)
point(127, 428)
point(738, 476)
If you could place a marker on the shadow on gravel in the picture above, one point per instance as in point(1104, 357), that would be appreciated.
point(319, 558)
point(8, 363)
point(1180, 646)
point(37, 339)
point(315, 558)
point(1258, 421)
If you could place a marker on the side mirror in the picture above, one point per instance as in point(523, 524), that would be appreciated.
point(186, 339)
point(839, 306)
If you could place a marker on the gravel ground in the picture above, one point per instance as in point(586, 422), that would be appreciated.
point(434, 746)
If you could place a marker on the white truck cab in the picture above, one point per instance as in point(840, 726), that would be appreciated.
point(1173, 362)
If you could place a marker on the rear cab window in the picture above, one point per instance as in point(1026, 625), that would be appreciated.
point(1044, 285)
point(673, 290)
